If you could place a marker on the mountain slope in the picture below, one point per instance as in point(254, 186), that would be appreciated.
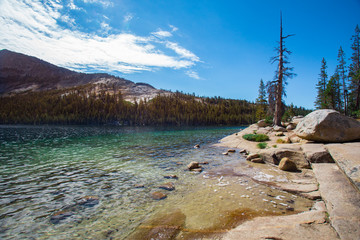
point(21, 73)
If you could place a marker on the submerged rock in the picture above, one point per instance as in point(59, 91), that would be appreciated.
point(89, 201)
point(168, 186)
point(198, 170)
point(193, 165)
point(328, 126)
point(287, 165)
point(161, 227)
point(60, 215)
point(158, 195)
point(171, 177)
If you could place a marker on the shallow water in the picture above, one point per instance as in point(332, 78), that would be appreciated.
point(79, 182)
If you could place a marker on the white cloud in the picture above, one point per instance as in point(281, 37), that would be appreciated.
point(32, 28)
point(184, 53)
point(128, 17)
point(72, 5)
point(105, 27)
point(67, 19)
point(162, 34)
point(173, 28)
point(193, 74)
point(104, 3)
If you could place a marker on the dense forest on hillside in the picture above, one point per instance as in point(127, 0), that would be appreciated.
point(83, 105)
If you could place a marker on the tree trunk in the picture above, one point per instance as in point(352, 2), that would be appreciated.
point(279, 90)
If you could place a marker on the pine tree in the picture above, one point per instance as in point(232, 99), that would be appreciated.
point(261, 101)
point(354, 71)
point(341, 69)
point(281, 74)
point(332, 93)
point(321, 87)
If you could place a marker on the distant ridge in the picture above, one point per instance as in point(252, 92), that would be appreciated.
point(20, 73)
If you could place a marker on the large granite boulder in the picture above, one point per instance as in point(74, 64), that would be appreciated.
point(328, 126)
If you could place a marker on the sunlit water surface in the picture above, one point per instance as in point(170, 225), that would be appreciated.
point(61, 182)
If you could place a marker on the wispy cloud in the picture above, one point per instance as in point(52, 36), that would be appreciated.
point(128, 17)
point(193, 74)
point(72, 5)
point(183, 53)
point(162, 34)
point(104, 3)
point(173, 28)
point(31, 27)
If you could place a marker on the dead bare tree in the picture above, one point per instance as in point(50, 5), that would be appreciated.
point(281, 74)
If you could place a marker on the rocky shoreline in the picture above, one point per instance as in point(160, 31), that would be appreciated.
point(312, 162)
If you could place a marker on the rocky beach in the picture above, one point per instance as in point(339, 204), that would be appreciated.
point(319, 158)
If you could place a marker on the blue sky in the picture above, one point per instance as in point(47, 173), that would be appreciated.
point(206, 47)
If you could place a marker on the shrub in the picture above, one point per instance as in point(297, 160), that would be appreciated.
point(256, 137)
point(280, 141)
point(269, 119)
point(262, 145)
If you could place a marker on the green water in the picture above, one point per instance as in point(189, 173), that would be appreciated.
point(47, 169)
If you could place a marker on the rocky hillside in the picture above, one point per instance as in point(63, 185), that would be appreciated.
point(20, 73)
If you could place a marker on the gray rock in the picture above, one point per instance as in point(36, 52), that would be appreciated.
point(262, 123)
point(285, 139)
point(279, 129)
point(263, 131)
point(346, 155)
point(257, 160)
point(291, 126)
point(316, 153)
point(328, 126)
point(252, 156)
point(294, 138)
point(342, 200)
point(287, 165)
point(279, 134)
point(296, 119)
point(294, 153)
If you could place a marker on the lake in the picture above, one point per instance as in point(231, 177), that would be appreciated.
point(91, 182)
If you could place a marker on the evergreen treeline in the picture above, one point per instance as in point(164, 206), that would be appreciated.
point(83, 105)
point(342, 91)
point(265, 108)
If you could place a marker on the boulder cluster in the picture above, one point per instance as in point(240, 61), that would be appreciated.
point(309, 134)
